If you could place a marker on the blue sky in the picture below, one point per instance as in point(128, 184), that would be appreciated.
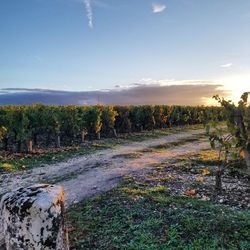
point(97, 44)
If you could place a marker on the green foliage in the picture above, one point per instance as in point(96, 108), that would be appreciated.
point(108, 119)
point(3, 124)
point(224, 142)
point(122, 121)
point(238, 124)
point(93, 119)
point(70, 121)
point(19, 125)
point(3, 132)
point(218, 136)
point(40, 123)
point(237, 135)
point(175, 116)
point(145, 116)
point(159, 116)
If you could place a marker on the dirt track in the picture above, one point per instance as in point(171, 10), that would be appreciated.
point(91, 174)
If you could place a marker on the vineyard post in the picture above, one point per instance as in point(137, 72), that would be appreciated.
point(83, 135)
point(30, 146)
point(58, 141)
point(98, 136)
point(115, 133)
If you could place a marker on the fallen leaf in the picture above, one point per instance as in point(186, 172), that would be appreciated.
point(242, 154)
point(190, 192)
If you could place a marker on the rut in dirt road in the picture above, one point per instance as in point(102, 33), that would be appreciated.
point(91, 174)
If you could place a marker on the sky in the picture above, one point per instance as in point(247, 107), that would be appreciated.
point(120, 46)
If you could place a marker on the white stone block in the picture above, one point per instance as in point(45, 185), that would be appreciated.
point(33, 218)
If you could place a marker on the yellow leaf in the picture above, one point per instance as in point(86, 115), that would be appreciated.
point(8, 166)
point(205, 172)
point(200, 179)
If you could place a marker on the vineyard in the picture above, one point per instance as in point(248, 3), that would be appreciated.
point(22, 128)
point(124, 125)
point(177, 187)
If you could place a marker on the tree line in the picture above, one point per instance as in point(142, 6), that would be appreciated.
point(23, 127)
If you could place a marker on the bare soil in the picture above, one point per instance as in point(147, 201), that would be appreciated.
point(88, 175)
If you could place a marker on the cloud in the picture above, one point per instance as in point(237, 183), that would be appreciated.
point(227, 65)
point(89, 11)
point(157, 8)
point(175, 82)
point(185, 94)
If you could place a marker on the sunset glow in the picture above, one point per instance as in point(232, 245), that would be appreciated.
point(237, 85)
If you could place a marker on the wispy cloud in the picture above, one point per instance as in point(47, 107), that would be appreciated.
point(157, 8)
point(168, 82)
point(227, 65)
point(89, 11)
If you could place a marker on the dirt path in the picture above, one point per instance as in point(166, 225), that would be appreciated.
point(88, 175)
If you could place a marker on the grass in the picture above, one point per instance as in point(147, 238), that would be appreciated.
point(137, 216)
point(163, 146)
point(129, 155)
point(143, 213)
point(206, 157)
point(26, 161)
point(144, 135)
point(168, 145)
